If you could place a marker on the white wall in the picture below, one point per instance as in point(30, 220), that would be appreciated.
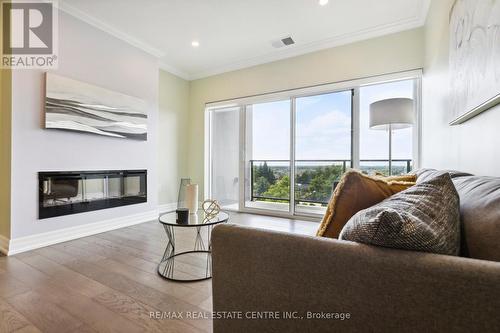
point(89, 55)
point(172, 137)
point(5, 153)
point(473, 146)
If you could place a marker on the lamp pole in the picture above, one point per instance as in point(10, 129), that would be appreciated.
point(390, 149)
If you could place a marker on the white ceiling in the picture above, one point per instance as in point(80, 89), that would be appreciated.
point(235, 34)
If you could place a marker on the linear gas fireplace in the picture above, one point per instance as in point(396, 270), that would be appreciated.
point(64, 193)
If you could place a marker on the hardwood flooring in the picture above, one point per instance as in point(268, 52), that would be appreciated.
point(108, 283)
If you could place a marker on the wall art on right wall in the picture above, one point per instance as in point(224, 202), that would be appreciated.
point(474, 58)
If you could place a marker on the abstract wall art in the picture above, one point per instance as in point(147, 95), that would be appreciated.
point(78, 106)
point(474, 57)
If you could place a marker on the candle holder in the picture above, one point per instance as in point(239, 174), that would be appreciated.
point(182, 215)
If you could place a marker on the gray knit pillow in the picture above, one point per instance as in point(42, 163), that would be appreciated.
point(424, 217)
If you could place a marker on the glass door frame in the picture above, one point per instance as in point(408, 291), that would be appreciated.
point(293, 140)
point(292, 95)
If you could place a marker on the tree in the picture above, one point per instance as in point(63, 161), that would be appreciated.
point(322, 182)
point(317, 184)
point(263, 178)
point(279, 190)
point(266, 172)
point(261, 185)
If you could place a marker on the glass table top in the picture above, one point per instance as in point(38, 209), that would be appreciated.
point(194, 220)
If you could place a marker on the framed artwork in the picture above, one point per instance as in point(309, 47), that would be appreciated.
point(77, 106)
point(474, 58)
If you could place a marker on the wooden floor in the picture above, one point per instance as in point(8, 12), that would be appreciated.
point(109, 283)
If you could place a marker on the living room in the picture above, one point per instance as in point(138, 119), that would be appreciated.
point(264, 166)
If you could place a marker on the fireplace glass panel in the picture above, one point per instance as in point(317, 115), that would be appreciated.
point(63, 193)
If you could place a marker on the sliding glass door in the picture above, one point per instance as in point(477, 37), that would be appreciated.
point(323, 148)
point(224, 156)
point(286, 154)
point(267, 155)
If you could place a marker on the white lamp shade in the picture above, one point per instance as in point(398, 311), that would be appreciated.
point(397, 112)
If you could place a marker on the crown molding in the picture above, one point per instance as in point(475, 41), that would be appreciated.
point(424, 10)
point(174, 70)
point(297, 50)
point(89, 19)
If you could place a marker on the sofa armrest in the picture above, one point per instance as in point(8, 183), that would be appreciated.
point(257, 272)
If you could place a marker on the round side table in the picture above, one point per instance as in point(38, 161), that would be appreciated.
point(175, 265)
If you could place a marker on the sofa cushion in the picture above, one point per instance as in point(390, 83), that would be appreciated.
point(480, 215)
point(409, 177)
point(426, 174)
point(424, 217)
point(355, 192)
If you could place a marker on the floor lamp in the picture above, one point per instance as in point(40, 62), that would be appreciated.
point(389, 115)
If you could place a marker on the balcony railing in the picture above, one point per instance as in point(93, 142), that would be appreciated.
point(311, 183)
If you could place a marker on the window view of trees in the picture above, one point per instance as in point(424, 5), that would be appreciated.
point(314, 184)
point(271, 183)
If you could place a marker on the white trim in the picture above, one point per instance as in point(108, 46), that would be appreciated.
point(277, 213)
point(376, 31)
point(297, 50)
point(424, 10)
point(417, 129)
point(207, 153)
point(27, 243)
point(242, 146)
point(355, 127)
point(91, 20)
point(293, 141)
point(317, 89)
point(173, 70)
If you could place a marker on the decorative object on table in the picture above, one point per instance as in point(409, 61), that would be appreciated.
point(210, 207)
point(192, 198)
point(200, 256)
point(392, 114)
point(181, 197)
point(474, 58)
point(182, 215)
point(78, 106)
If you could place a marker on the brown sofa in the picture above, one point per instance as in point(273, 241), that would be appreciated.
point(260, 277)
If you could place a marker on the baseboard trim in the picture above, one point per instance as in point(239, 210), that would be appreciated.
point(23, 244)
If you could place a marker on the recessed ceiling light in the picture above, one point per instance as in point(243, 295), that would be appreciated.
point(195, 43)
point(323, 2)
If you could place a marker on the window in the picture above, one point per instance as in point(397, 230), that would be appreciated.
point(290, 149)
point(323, 147)
point(225, 147)
point(374, 144)
point(267, 150)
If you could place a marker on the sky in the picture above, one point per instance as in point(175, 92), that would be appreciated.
point(323, 126)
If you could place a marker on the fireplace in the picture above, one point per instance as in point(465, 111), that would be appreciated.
point(72, 192)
